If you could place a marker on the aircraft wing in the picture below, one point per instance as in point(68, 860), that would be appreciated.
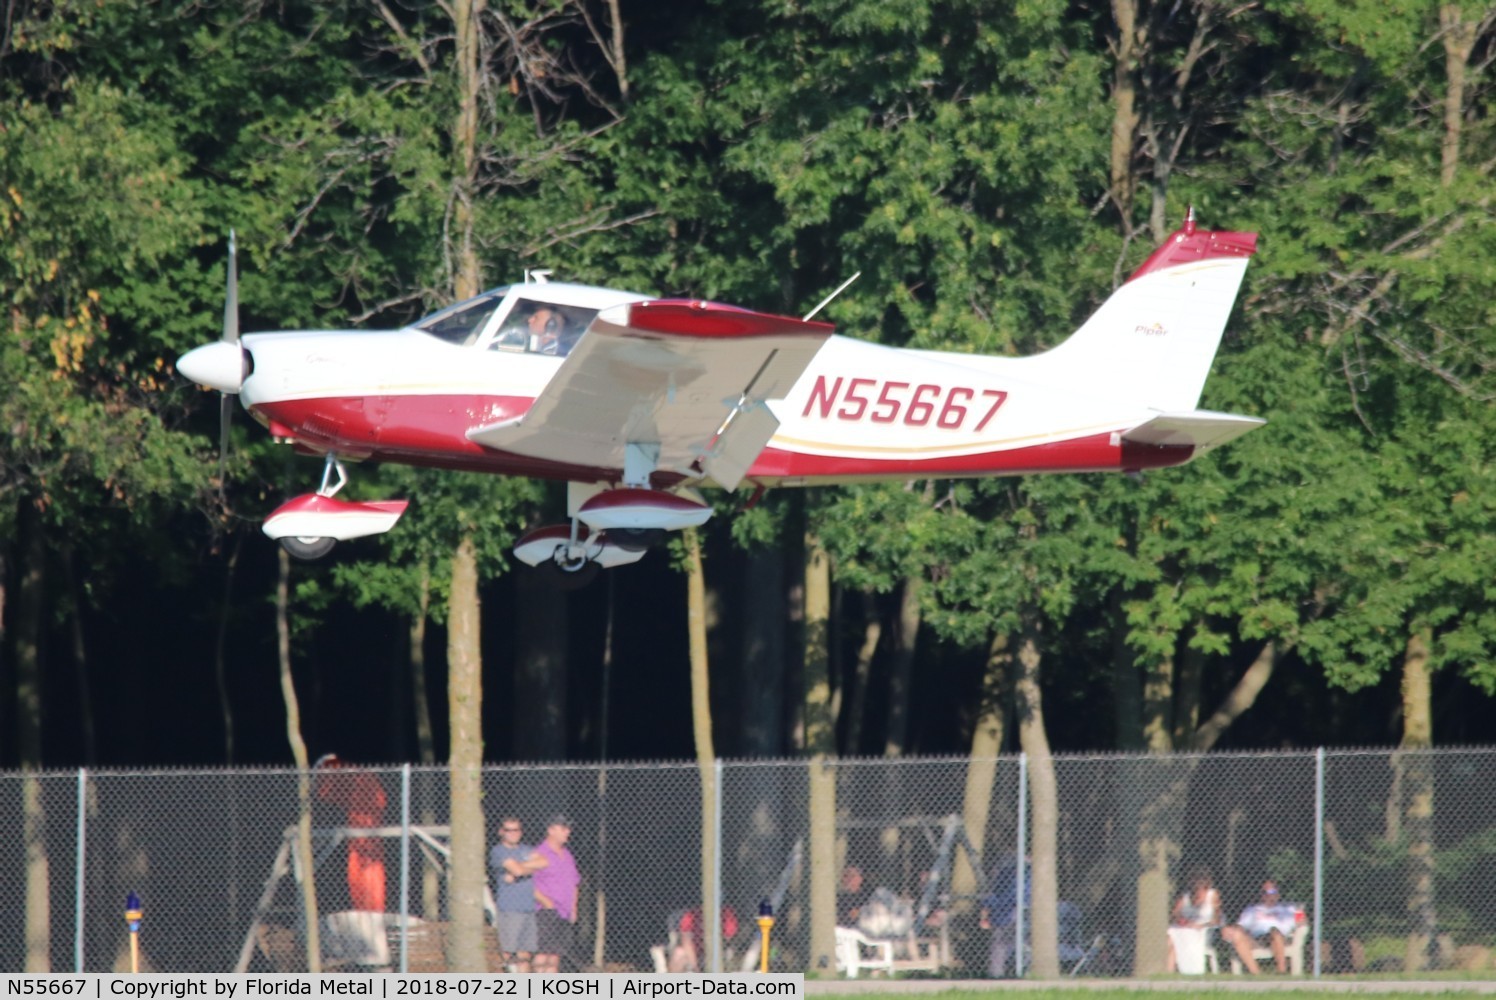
point(1200, 429)
point(689, 377)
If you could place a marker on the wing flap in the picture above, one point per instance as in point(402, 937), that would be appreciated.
point(670, 373)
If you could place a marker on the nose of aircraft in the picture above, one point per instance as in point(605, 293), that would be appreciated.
point(219, 365)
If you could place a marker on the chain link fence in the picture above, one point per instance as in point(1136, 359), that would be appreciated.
point(907, 866)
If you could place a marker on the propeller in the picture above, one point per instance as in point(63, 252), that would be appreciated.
point(223, 364)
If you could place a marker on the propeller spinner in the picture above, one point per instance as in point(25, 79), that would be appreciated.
point(222, 365)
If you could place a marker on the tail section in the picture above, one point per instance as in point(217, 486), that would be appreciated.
point(1153, 341)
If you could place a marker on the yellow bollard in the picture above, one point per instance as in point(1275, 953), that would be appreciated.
point(132, 919)
point(765, 924)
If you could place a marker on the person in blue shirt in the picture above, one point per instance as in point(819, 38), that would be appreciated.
point(512, 865)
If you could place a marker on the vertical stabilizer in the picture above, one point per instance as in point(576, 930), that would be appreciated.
point(1153, 341)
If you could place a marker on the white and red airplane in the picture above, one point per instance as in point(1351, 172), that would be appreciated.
point(637, 402)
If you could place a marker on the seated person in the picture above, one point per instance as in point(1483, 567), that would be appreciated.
point(850, 896)
point(538, 328)
point(1197, 909)
point(691, 944)
point(1268, 919)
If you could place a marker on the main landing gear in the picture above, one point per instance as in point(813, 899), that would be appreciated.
point(571, 556)
point(609, 527)
point(311, 524)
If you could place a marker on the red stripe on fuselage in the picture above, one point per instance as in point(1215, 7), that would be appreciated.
point(1094, 453)
point(431, 431)
point(421, 430)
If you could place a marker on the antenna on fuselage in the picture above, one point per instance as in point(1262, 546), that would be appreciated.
point(537, 277)
point(827, 300)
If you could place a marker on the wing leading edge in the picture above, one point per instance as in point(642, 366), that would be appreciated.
point(690, 377)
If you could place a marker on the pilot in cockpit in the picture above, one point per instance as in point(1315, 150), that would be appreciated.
point(542, 329)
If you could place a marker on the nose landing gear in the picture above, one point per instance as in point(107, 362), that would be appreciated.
point(310, 525)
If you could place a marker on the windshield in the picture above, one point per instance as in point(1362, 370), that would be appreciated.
point(462, 323)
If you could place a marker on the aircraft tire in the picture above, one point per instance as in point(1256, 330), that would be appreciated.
point(572, 577)
point(307, 549)
point(636, 539)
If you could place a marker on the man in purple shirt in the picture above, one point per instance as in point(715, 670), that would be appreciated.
point(555, 896)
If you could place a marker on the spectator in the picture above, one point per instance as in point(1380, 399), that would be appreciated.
point(1269, 918)
point(1000, 914)
point(555, 888)
point(361, 797)
point(1196, 910)
point(691, 936)
point(850, 897)
point(514, 866)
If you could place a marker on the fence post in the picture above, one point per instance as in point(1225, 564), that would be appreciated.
point(1021, 914)
point(404, 869)
point(1319, 853)
point(79, 873)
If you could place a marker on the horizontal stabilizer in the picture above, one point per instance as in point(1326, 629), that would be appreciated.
point(1199, 429)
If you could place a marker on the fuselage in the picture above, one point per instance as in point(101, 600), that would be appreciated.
point(861, 412)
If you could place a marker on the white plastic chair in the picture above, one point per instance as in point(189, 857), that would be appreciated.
point(1194, 954)
point(850, 957)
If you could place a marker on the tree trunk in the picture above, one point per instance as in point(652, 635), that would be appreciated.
point(220, 646)
point(1242, 696)
point(872, 630)
point(896, 740)
point(539, 716)
point(1152, 810)
point(87, 730)
point(820, 727)
point(467, 29)
point(465, 952)
point(1459, 38)
point(467, 877)
point(759, 855)
point(706, 753)
point(303, 768)
point(823, 869)
point(1124, 108)
point(1418, 791)
point(431, 886)
point(762, 681)
point(30, 601)
point(1128, 699)
point(1186, 716)
point(1044, 816)
point(820, 744)
point(981, 770)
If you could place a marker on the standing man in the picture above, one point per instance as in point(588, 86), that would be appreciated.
point(555, 896)
point(514, 866)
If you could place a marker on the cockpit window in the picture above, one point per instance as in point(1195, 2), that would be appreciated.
point(536, 327)
point(464, 322)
